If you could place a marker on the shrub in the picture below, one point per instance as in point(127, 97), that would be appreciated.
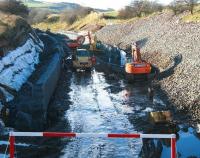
point(70, 16)
point(191, 4)
point(126, 13)
point(53, 19)
point(14, 7)
point(37, 15)
point(179, 6)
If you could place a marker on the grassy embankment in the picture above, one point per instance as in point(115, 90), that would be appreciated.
point(106, 18)
point(195, 17)
point(94, 18)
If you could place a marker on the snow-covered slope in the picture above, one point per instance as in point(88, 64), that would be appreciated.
point(18, 65)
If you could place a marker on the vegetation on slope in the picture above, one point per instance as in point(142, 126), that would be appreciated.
point(136, 10)
point(195, 17)
point(13, 28)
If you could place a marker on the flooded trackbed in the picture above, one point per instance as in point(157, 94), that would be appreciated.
point(96, 110)
point(101, 105)
point(104, 106)
point(95, 103)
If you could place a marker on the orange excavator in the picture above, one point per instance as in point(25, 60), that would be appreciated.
point(74, 44)
point(137, 68)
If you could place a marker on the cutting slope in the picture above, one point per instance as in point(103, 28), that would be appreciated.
point(170, 44)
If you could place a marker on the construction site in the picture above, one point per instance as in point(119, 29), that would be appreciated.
point(98, 88)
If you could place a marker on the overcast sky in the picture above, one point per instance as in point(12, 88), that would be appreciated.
point(103, 4)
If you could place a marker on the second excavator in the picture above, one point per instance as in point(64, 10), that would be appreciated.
point(136, 68)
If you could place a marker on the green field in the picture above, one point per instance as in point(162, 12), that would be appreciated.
point(52, 6)
point(37, 4)
point(113, 14)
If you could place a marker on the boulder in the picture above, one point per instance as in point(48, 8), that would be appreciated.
point(160, 117)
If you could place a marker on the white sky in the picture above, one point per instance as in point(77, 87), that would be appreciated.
point(103, 4)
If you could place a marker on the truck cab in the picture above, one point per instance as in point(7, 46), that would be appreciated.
point(82, 59)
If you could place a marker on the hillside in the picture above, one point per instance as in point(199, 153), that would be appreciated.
point(52, 6)
point(173, 46)
point(57, 7)
point(90, 20)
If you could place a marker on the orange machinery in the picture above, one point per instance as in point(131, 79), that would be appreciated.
point(76, 43)
point(79, 41)
point(137, 66)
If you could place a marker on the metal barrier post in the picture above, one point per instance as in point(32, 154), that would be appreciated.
point(173, 147)
point(12, 146)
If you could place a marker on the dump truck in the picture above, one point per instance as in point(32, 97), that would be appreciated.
point(82, 59)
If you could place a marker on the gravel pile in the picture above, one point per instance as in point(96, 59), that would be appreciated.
point(172, 45)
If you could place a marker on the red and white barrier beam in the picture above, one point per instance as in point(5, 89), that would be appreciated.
point(82, 135)
point(91, 135)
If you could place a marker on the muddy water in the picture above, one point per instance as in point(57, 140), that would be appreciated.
point(100, 105)
point(96, 110)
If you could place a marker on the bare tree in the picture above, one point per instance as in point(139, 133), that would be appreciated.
point(191, 4)
point(126, 13)
point(179, 6)
point(140, 7)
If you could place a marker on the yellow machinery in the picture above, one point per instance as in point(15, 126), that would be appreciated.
point(83, 60)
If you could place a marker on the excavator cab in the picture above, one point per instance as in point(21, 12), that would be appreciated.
point(74, 44)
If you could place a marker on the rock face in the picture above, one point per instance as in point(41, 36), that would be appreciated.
point(15, 69)
point(170, 44)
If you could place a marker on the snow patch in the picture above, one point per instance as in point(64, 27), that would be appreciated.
point(148, 109)
point(198, 128)
point(18, 65)
point(17, 144)
point(4, 156)
point(8, 96)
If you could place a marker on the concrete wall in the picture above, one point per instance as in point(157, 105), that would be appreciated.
point(112, 54)
point(45, 86)
point(32, 113)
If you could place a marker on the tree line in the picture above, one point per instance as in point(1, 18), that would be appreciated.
point(138, 8)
